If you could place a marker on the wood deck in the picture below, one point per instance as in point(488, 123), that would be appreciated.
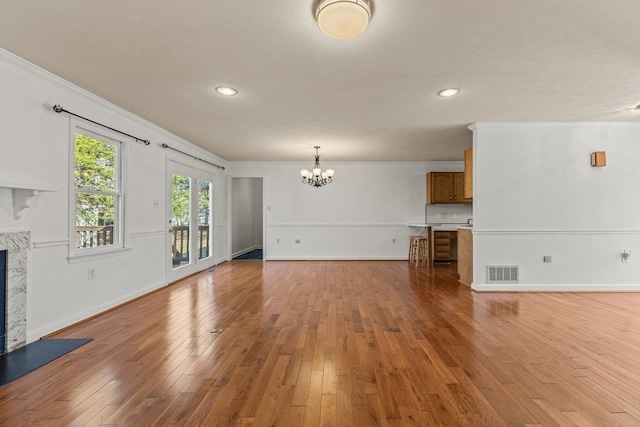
point(343, 343)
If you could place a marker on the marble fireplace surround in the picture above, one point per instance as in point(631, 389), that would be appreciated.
point(16, 243)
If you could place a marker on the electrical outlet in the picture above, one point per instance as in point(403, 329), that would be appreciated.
point(626, 255)
point(91, 273)
point(156, 203)
point(393, 241)
point(455, 215)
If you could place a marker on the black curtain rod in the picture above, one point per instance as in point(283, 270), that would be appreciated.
point(187, 154)
point(58, 109)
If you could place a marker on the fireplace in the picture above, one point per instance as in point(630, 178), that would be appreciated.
point(14, 246)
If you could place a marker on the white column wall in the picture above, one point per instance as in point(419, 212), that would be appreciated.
point(536, 194)
point(34, 147)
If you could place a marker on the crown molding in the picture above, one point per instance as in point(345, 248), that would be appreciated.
point(485, 125)
point(48, 77)
point(425, 164)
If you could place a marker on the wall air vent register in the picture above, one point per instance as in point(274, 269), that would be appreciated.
point(503, 273)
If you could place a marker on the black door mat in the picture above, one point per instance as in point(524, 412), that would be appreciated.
point(254, 254)
point(35, 355)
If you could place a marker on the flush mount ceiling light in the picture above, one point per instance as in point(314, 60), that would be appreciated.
point(316, 177)
point(449, 92)
point(227, 91)
point(343, 19)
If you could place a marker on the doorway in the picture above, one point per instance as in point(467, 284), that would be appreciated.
point(247, 219)
point(190, 212)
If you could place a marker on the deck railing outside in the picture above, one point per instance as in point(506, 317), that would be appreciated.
point(89, 237)
point(180, 243)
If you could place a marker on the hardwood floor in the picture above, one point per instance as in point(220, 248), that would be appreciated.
point(343, 343)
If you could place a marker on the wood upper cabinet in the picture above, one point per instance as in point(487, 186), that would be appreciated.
point(439, 187)
point(459, 188)
point(445, 188)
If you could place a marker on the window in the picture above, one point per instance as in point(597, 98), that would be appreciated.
point(97, 194)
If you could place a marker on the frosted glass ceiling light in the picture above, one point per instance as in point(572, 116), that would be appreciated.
point(316, 177)
point(343, 19)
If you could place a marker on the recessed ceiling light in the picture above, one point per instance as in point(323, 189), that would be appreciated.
point(449, 92)
point(224, 90)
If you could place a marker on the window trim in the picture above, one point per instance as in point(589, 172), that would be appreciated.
point(120, 229)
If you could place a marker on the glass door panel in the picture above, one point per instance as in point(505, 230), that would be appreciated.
point(190, 215)
point(204, 219)
point(180, 219)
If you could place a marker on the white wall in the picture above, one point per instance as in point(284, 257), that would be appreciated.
point(536, 194)
point(258, 214)
point(34, 152)
point(246, 215)
point(356, 217)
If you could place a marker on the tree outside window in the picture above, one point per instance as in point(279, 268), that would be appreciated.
point(96, 191)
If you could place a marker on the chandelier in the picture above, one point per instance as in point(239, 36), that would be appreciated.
point(316, 177)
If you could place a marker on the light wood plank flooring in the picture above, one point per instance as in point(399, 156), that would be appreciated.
point(343, 343)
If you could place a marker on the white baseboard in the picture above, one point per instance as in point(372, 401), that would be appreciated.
point(525, 287)
point(36, 334)
point(336, 258)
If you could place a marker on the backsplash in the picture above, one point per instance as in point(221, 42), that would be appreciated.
point(444, 214)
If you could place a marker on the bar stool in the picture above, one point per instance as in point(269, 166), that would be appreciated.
point(423, 251)
point(413, 248)
point(418, 250)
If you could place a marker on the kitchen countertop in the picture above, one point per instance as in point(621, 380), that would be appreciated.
point(441, 226)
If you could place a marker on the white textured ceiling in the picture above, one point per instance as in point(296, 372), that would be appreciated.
point(369, 98)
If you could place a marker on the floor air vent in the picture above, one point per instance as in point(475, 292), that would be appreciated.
point(502, 273)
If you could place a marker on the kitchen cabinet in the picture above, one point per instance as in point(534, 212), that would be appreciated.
point(468, 173)
point(446, 188)
point(445, 245)
point(465, 256)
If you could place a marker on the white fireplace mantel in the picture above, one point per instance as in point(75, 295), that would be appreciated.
point(15, 198)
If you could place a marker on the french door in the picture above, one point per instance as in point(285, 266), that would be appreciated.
point(190, 213)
